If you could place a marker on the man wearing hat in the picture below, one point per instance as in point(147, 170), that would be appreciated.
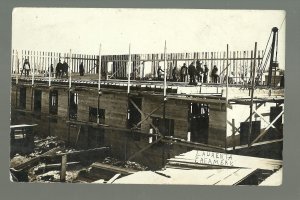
point(205, 74)
point(26, 67)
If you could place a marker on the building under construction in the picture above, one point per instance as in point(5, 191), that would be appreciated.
point(141, 118)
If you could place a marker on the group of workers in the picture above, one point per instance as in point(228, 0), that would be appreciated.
point(194, 72)
point(197, 72)
point(61, 69)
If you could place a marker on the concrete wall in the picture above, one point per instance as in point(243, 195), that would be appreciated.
point(217, 124)
point(124, 144)
point(177, 110)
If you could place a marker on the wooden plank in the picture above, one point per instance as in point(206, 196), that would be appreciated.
point(115, 177)
point(63, 170)
point(267, 128)
point(233, 133)
point(273, 180)
point(34, 161)
point(112, 168)
point(144, 148)
point(236, 177)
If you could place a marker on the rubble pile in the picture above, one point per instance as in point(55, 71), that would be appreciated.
point(125, 164)
point(43, 145)
point(44, 164)
point(54, 176)
point(18, 159)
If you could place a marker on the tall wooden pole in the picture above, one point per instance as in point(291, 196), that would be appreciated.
point(49, 73)
point(99, 84)
point(129, 71)
point(63, 170)
point(69, 97)
point(165, 71)
point(17, 74)
point(164, 100)
point(70, 70)
point(32, 75)
point(128, 100)
point(227, 66)
point(252, 93)
point(32, 86)
point(99, 69)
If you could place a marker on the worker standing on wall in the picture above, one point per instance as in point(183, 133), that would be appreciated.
point(214, 74)
point(174, 74)
point(192, 73)
point(183, 73)
point(81, 69)
point(199, 70)
point(50, 69)
point(65, 68)
point(58, 69)
point(159, 73)
point(26, 68)
point(205, 74)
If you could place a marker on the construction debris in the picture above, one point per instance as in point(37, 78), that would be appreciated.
point(44, 164)
point(124, 164)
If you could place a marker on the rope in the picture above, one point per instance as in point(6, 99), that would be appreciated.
point(259, 69)
point(282, 23)
point(276, 48)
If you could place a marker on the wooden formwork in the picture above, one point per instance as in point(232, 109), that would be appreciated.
point(116, 66)
point(115, 101)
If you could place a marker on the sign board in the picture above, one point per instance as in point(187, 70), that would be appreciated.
point(214, 158)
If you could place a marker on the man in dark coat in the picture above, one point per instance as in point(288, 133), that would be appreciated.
point(65, 68)
point(205, 74)
point(199, 70)
point(81, 69)
point(174, 73)
point(26, 68)
point(214, 74)
point(51, 68)
point(192, 73)
point(159, 73)
point(58, 69)
point(183, 73)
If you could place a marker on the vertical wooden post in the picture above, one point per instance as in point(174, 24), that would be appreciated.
point(99, 69)
point(49, 60)
point(165, 98)
point(70, 70)
point(12, 61)
point(240, 67)
point(232, 66)
point(252, 93)
point(233, 133)
point(18, 68)
point(89, 64)
point(227, 51)
point(49, 74)
point(32, 75)
point(129, 71)
point(238, 74)
point(63, 169)
point(165, 71)
point(99, 84)
point(69, 97)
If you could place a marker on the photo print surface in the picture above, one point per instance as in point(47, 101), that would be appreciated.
point(147, 96)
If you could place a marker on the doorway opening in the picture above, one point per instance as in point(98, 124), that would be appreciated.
point(199, 122)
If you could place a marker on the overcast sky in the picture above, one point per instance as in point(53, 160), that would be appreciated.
point(185, 30)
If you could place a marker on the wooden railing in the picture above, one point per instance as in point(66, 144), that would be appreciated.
point(144, 66)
